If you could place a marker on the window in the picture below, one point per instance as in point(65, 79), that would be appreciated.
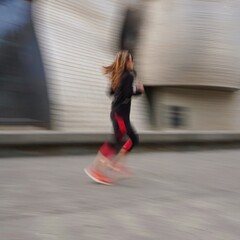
point(176, 116)
point(23, 91)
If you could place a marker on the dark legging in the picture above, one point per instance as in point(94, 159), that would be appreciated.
point(122, 129)
point(124, 137)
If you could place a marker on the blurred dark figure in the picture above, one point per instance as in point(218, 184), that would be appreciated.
point(130, 29)
point(23, 91)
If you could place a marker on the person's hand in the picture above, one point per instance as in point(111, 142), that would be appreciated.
point(140, 87)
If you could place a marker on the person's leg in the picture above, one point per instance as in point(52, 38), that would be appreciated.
point(108, 150)
point(132, 141)
point(118, 162)
point(99, 169)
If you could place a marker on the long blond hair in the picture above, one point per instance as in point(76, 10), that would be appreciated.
point(116, 69)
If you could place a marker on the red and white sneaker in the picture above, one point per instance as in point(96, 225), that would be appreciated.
point(98, 176)
point(122, 169)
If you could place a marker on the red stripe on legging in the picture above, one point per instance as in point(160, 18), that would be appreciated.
point(127, 146)
point(107, 151)
point(121, 124)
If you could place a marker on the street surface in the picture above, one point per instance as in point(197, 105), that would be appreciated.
point(173, 196)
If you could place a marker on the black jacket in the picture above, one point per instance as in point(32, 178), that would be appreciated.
point(121, 103)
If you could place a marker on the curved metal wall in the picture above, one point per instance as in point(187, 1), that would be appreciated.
point(190, 43)
point(77, 38)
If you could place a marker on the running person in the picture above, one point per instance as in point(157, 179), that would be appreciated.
point(122, 75)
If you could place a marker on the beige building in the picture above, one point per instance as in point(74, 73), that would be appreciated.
point(189, 59)
point(187, 55)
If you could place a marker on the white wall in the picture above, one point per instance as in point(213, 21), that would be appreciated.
point(206, 109)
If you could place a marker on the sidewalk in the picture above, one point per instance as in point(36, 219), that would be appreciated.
point(172, 196)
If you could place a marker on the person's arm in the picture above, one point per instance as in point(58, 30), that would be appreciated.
point(128, 89)
point(138, 89)
point(136, 92)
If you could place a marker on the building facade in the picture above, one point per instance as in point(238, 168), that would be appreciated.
point(187, 55)
point(77, 38)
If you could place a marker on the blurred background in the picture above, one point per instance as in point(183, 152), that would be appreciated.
point(54, 104)
point(187, 54)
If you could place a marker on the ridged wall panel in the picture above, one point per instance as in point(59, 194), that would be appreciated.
point(76, 39)
point(190, 43)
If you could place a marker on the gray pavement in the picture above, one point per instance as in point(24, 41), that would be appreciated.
point(173, 195)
